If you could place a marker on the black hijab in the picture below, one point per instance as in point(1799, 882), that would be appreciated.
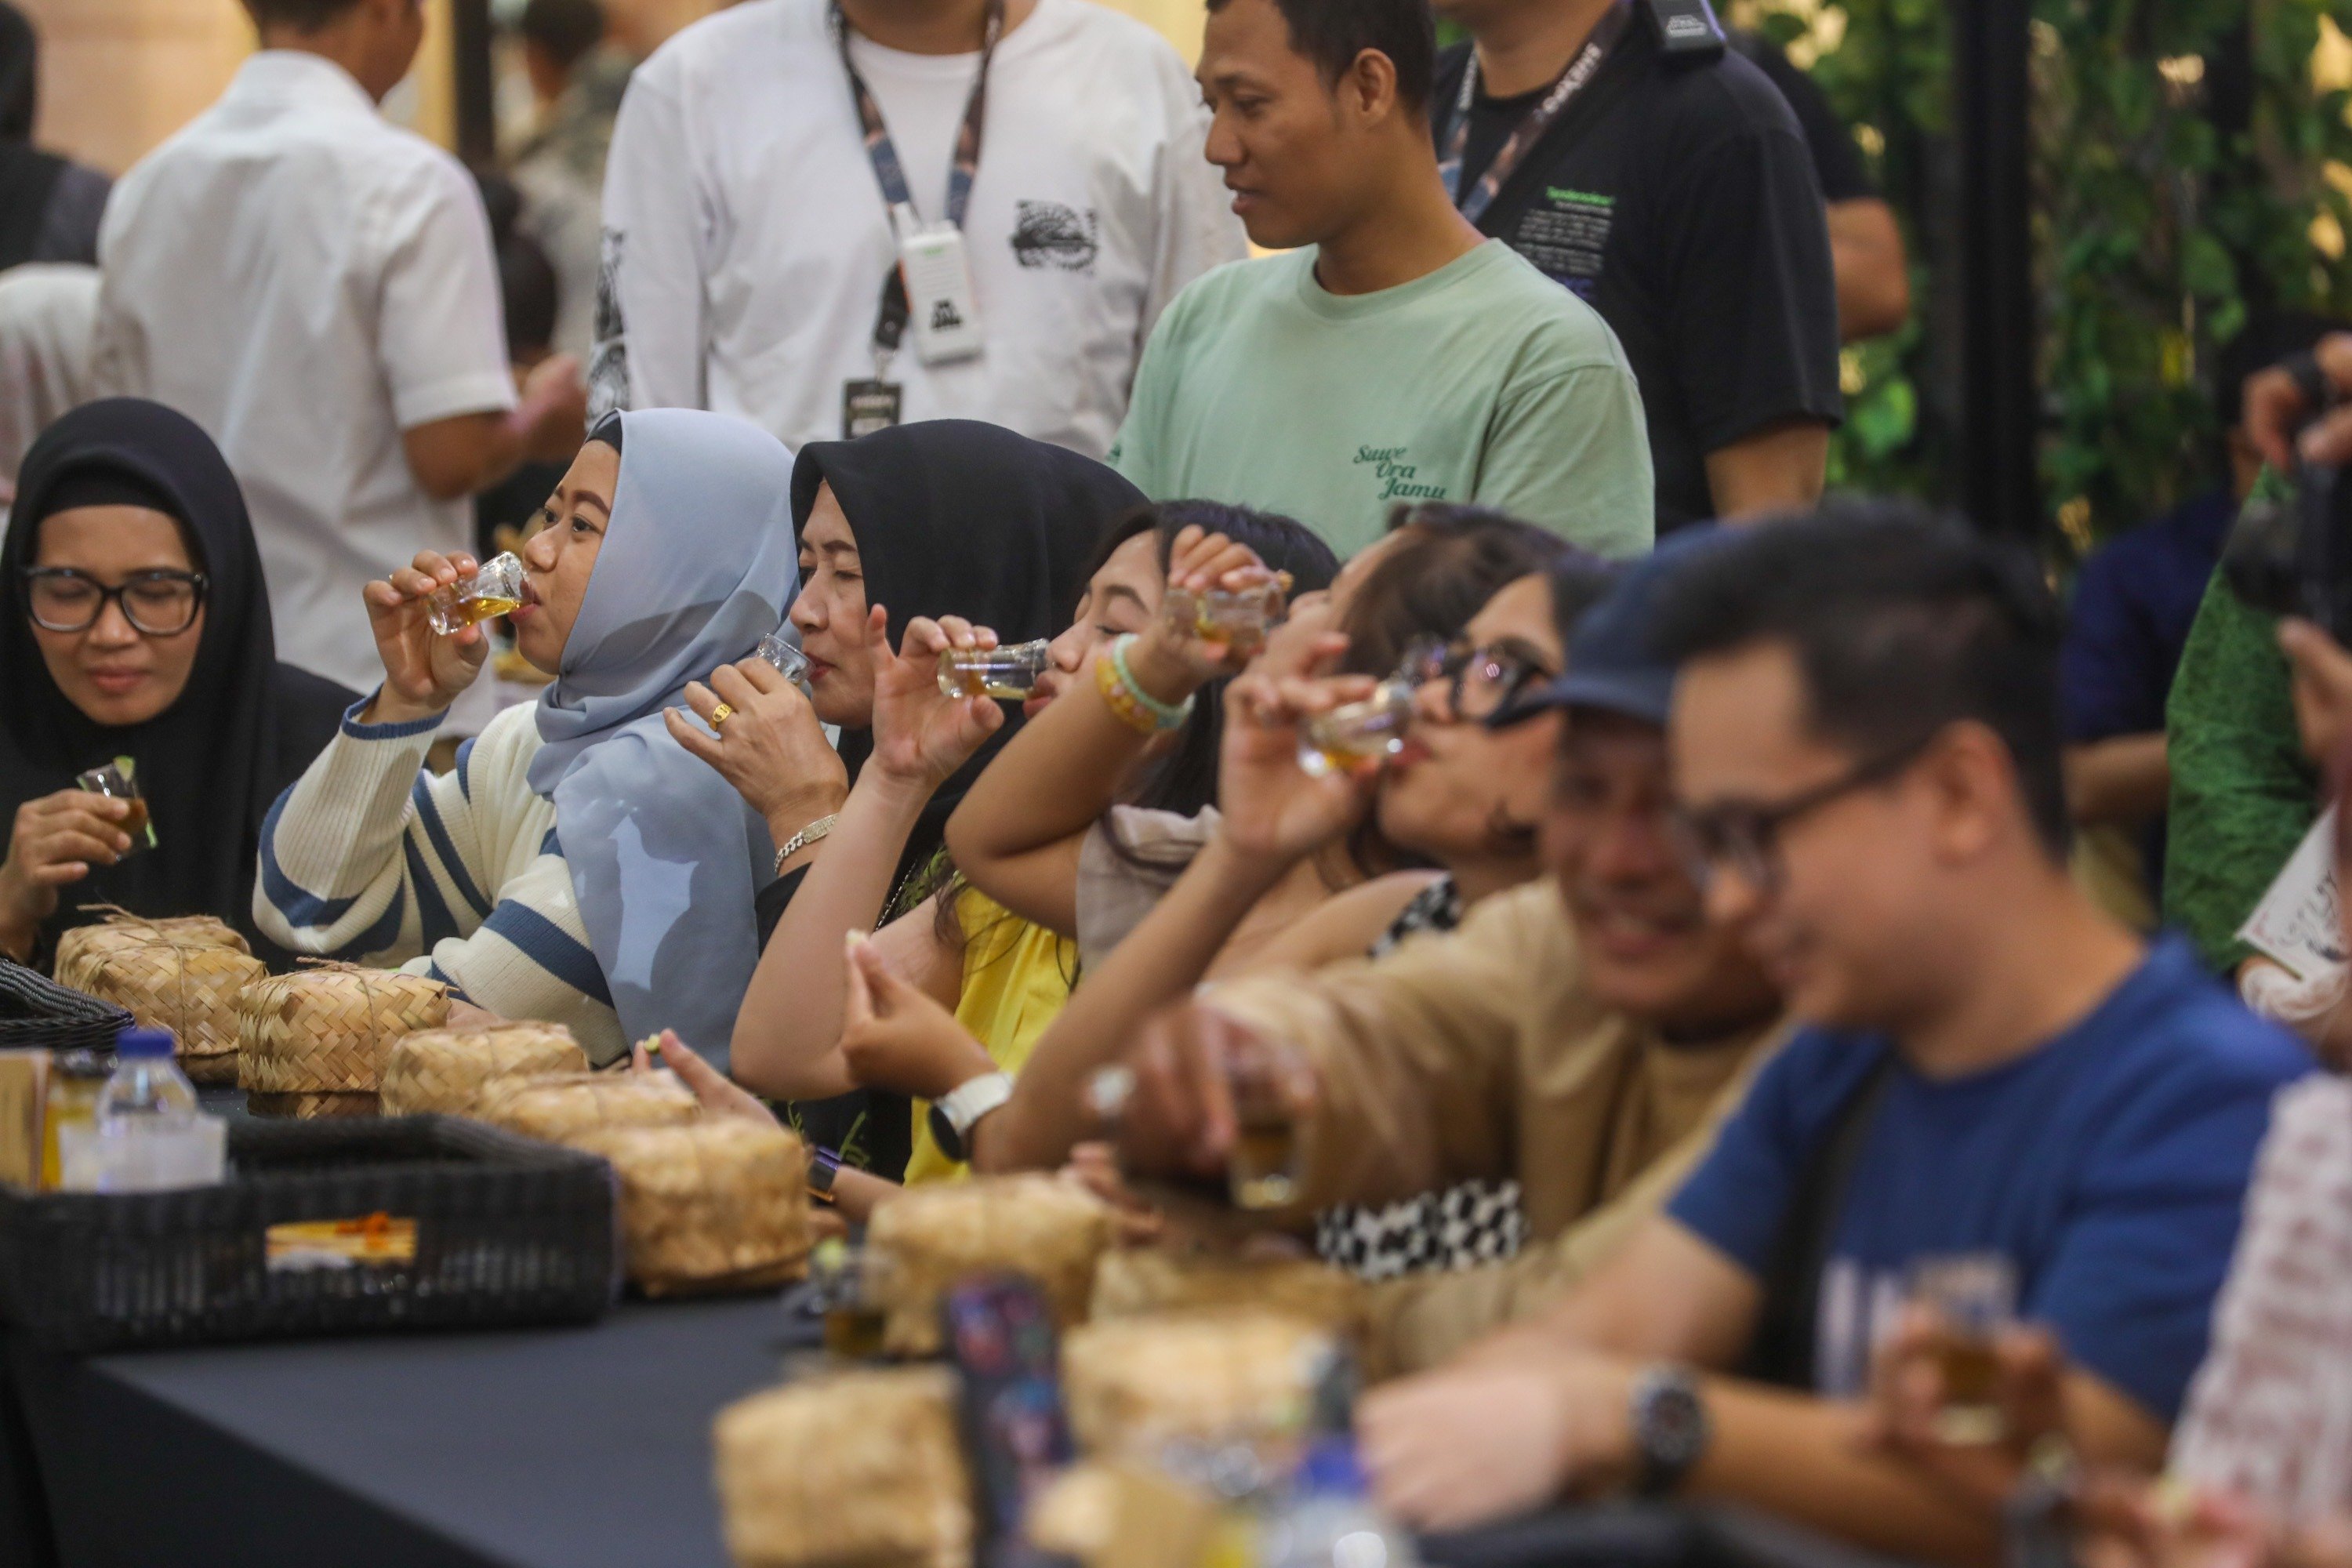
point(243, 729)
point(952, 517)
point(27, 177)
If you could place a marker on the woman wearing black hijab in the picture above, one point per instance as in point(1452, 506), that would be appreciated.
point(137, 624)
point(50, 207)
point(928, 521)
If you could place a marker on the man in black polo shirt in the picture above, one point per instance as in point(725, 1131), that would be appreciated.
point(1621, 148)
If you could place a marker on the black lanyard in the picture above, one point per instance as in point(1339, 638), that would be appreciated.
point(1532, 124)
point(890, 322)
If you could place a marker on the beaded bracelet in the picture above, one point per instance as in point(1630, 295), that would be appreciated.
point(1135, 707)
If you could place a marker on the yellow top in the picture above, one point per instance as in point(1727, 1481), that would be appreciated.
point(1016, 975)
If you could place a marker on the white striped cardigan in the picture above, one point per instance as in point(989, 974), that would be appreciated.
point(370, 857)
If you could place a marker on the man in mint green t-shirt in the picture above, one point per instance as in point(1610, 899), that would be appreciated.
point(1394, 354)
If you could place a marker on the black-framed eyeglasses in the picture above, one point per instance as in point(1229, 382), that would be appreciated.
point(1745, 837)
point(158, 604)
point(1480, 679)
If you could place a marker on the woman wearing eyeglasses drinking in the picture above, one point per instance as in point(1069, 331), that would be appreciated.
point(138, 626)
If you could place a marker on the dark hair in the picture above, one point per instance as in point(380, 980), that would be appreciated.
point(1902, 620)
point(1185, 779)
point(1332, 32)
point(1452, 560)
point(527, 281)
point(302, 15)
point(566, 29)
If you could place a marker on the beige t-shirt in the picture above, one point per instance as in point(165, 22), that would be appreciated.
point(1126, 864)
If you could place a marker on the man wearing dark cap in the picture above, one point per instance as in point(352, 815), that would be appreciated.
point(1581, 1035)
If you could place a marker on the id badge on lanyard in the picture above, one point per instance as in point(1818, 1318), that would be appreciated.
point(931, 289)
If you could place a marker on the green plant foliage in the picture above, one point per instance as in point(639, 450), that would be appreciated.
point(2181, 154)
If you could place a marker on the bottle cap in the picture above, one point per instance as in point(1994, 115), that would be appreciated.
point(1331, 1466)
point(144, 1043)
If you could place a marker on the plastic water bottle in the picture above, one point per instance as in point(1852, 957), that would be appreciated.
point(1328, 1520)
point(148, 1133)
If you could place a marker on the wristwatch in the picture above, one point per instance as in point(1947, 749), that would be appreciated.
point(803, 839)
point(956, 1112)
point(823, 1167)
point(1670, 1428)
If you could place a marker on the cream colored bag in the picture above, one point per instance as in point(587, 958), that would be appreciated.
point(716, 1204)
point(932, 1237)
point(1135, 1384)
point(857, 1469)
point(559, 1107)
point(183, 975)
point(449, 1071)
point(315, 1042)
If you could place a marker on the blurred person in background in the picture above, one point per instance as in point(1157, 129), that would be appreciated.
point(50, 207)
point(1662, 180)
point(2128, 625)
point(316, 289)
point(577, 77)
point(48, 313)
point(772, 159)
point(1873, 273)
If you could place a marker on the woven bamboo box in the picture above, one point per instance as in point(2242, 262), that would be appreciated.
point(448, 1071)
point(182, 974)
point(314, 1043)
point(859, 1468)
point(710, 1205)
point(1135, 1384)
point(1136, 1280)
point(559, 1107)
point(932, 1237)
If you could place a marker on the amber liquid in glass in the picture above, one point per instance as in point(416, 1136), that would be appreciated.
point(1263, 1171)
point(854, 1332)
point(1971, 1376)
point(471, 612)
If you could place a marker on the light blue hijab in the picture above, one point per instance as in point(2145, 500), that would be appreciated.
point(698, 563)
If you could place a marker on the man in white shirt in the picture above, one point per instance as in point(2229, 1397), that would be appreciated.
point(748, 235)
point(316, 288)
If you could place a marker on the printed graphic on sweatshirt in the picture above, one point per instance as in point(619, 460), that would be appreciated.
point(1051, 234)
point(1400, 479)
point(608, 362)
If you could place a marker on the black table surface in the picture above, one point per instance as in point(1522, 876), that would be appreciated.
point(526, 1448)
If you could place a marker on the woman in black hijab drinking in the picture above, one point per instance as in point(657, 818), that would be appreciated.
point(137, 626)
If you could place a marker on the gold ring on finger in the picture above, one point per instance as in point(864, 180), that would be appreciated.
point(720, 714)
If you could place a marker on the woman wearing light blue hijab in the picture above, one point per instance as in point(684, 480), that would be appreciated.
point(578, 866)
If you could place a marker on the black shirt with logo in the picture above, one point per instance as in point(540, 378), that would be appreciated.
point(1676, 197)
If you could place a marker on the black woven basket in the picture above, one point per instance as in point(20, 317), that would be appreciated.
point(36, 1011)
point(507, 1230)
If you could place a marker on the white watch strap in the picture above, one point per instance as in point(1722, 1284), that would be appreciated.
point(970, 1101)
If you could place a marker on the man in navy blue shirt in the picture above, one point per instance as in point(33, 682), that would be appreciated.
point(1866, 740)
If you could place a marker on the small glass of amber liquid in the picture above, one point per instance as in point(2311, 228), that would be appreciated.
point(1008, 674)
point(494, 589)
point(1974, 1298)
point(1237, 618)
point(116, 781)
point(845, 1279)
point(1263, 1171)
point(1355, 733)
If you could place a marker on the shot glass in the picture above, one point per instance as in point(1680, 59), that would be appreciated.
point(1238, 617)
point(847, 1280)
point(1263, 1171)
point(115, 780)
point(494, 589)
point(1974, 1298)
point(780, 650)
point(1008, 674)
point(1356, 732)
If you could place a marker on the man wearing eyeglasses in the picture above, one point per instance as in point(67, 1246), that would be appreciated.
point(1579, 1036)
point(1994, 1075)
